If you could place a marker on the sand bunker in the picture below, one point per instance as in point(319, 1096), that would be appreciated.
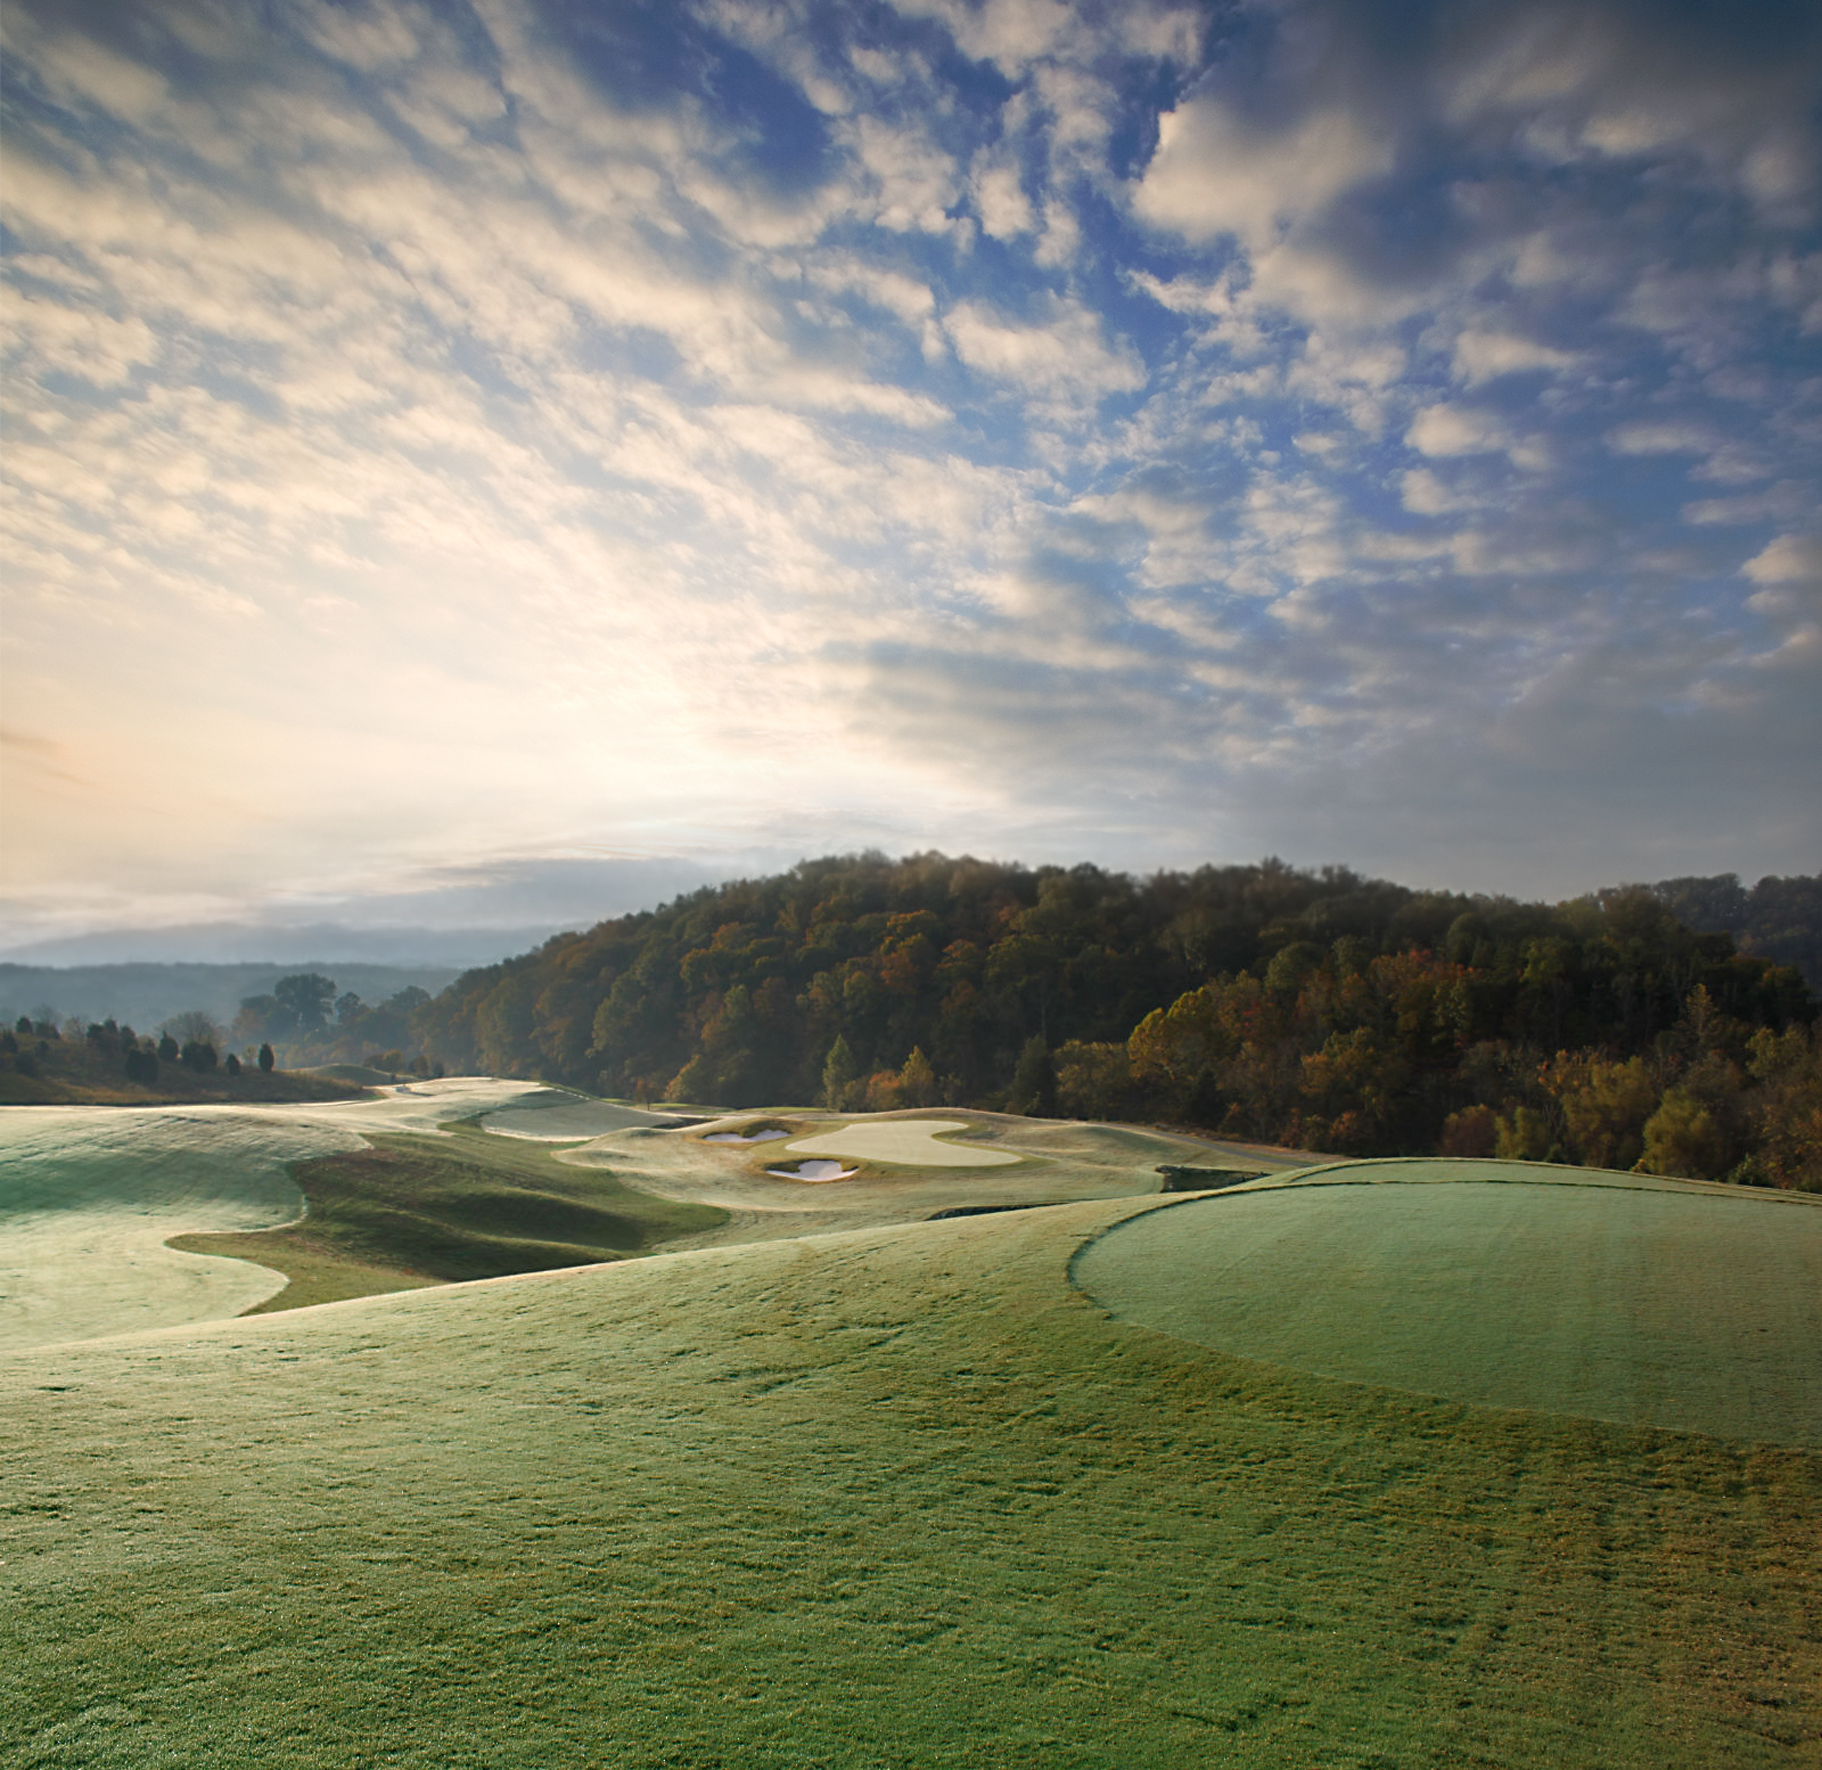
point(816, 1172)
point(911, 1141)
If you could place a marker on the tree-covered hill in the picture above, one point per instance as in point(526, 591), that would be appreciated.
point(1315, 1008)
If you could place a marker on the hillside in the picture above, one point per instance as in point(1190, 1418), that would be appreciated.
point(1312, 1009)
point(908, 1497)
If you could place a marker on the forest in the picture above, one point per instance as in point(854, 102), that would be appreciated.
point(1316, 1009)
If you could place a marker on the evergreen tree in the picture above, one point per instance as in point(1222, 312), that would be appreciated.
point(838, 1070)
point(1034, 1082)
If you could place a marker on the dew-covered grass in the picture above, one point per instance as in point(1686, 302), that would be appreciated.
point(895, 1497)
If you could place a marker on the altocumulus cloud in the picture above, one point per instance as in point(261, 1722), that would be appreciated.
point(452, 435)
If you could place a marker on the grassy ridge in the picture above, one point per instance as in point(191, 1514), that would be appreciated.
point(415, 1210)
point(894, 1498)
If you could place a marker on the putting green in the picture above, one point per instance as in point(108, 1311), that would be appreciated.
point(910, 1141)
point(1650, 1303)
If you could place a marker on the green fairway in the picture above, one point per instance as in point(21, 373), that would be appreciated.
point(1619, 1297)
point(901, 1497)
point(557, 1115)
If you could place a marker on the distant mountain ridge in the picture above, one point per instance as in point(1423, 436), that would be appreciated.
point(299, 946)
point(1778, 918)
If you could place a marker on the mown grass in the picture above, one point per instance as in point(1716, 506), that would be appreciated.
point(899, 1497)
point(410, 1210)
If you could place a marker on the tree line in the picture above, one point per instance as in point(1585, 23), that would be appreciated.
point(313, 1023)
point(1313, 1008)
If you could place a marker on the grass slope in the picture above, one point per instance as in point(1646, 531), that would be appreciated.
point(418, 1210)
point(893, 1498)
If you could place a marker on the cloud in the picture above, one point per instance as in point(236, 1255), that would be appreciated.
point(1447, 430)
point(999, 195)
point(1485, 356)
point(430, 443)
point(1217, 173)
point(1063, 356)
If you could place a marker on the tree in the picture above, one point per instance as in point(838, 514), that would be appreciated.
point(1470, 1134)
point(1034, 1083)
point(1606, 1106)
point(838, 1070)
point(168, 1049)
point(193, 1026)
point(348, 1009)
point(231, 1064)
point(261, 1017)
point(1524, 1137)
point(917, 1080)
point(306, 997)
point(267, 1062)
point(1681, 1138)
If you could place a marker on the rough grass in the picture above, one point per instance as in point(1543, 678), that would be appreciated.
point(1642, 1301)
point(415, 1210)
point(896, 1498)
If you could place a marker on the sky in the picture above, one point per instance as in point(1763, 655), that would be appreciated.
point(501, 453)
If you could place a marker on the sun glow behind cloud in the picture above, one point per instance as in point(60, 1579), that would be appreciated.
point(445, 433)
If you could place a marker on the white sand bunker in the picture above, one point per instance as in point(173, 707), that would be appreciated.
point(816, 1172)
point(911, 1141)
point(740, 1138)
